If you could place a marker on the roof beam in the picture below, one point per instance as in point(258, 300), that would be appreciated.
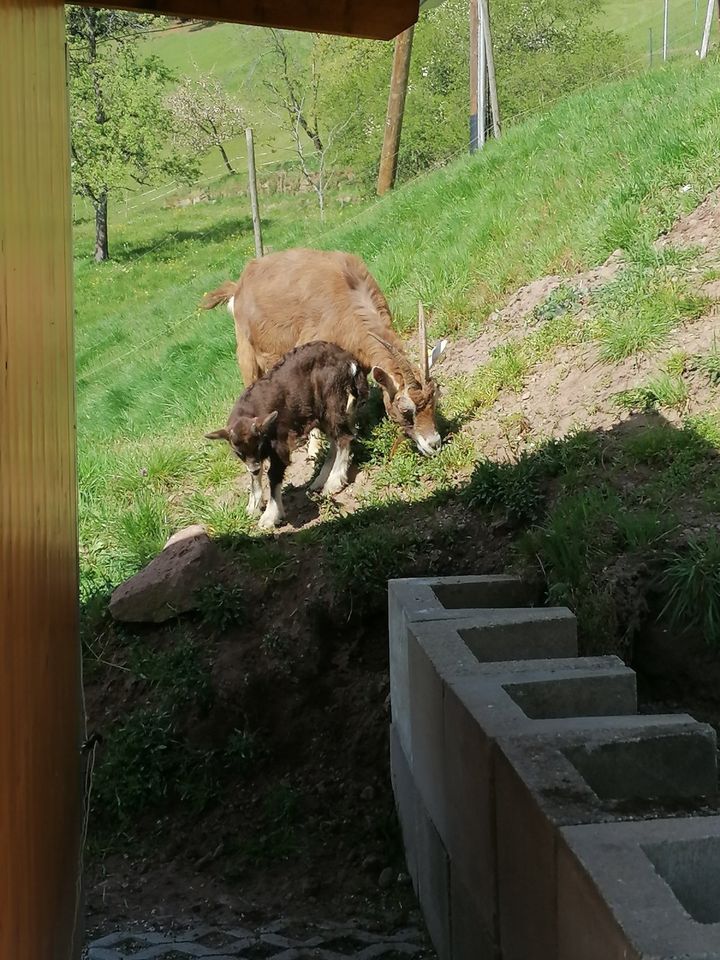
point(372, 19)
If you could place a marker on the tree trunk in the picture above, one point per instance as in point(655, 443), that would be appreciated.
point(221, 148)
point(101, 228)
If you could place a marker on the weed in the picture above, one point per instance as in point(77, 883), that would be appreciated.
point(221, 606)
point(663, 390)
point(362, 555)
point(562, 300)
point(280, 836)
point(708, 364)
point(145, 764)
point(658, 444)
point(692, 579)
point(178, 673)
point(514, 487)
point(242, 750)
point(144, 527)
point(639, 310)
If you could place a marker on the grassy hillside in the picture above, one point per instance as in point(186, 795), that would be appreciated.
point(602, 171)
point(581, 412)
point(633, 20)
point(238, 56)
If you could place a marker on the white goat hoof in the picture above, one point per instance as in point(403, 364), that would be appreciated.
point(253, 510)
point(270, 522)
point(316, 485)
point(333, 487)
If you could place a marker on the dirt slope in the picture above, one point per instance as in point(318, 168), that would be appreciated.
point(306, 823)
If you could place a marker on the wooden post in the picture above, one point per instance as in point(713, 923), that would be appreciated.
point(666, 5)
point(490, 56)
point(252, 183)
point(395, 111)
point(482, 98)
point(40, 729)
point(474, 79)
point(706, 32)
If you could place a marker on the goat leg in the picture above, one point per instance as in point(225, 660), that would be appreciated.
point(321, 479)
point(274, 514)
point(255, 501)
point(396, 445)
point(338, 478)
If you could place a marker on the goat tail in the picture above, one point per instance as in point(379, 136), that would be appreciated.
point(223, 294)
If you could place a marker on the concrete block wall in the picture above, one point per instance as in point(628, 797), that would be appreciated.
point(518, 765)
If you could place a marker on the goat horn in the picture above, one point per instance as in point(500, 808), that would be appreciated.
point(422, 333)
point(406, 369)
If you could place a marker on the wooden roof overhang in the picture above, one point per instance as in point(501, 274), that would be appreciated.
point(371, 19)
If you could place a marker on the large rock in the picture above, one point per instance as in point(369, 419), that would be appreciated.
point(167, 586)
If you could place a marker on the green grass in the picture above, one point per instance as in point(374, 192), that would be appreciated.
point(154, 373)
point(633, 20)
point(664, 390)
point(692, 578)
point(639, 310)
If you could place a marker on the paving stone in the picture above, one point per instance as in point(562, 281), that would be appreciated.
point(329, 942)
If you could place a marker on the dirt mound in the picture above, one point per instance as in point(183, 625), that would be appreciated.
point(699, 228)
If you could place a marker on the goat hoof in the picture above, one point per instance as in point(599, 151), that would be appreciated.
point(253, 511)
point(330, 489)
point(316, 485)
point(269, 523)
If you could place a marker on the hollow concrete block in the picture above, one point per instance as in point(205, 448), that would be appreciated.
point(418, 599)
point(640, 891)
point(643, 767)
point(460, 706)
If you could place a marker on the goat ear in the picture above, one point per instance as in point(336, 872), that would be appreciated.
point(437, 351)
point(268, 421)
point(384, 380)
point(218, 435)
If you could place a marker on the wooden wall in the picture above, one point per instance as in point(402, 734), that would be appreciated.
point(39, 653)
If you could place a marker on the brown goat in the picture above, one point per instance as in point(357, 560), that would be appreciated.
point(315, 386)
point(296, 296)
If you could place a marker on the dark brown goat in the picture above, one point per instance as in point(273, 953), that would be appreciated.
point(315, 386)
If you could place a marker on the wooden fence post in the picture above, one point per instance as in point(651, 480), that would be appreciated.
point(395, 110)
point(252, 183)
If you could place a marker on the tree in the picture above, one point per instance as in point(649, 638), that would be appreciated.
point(297, 92)
point(543, 49)
point(119, 125)
point(206, 116)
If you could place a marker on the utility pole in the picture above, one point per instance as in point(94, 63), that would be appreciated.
point(395, 111)
point(666, 10)
point(483, 89)
point(474, 77)
point(706, 32)
point(490, 56)
point(252, 186)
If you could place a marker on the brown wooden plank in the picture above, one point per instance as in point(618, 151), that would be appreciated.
point(39, 652)
point(373, 19)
